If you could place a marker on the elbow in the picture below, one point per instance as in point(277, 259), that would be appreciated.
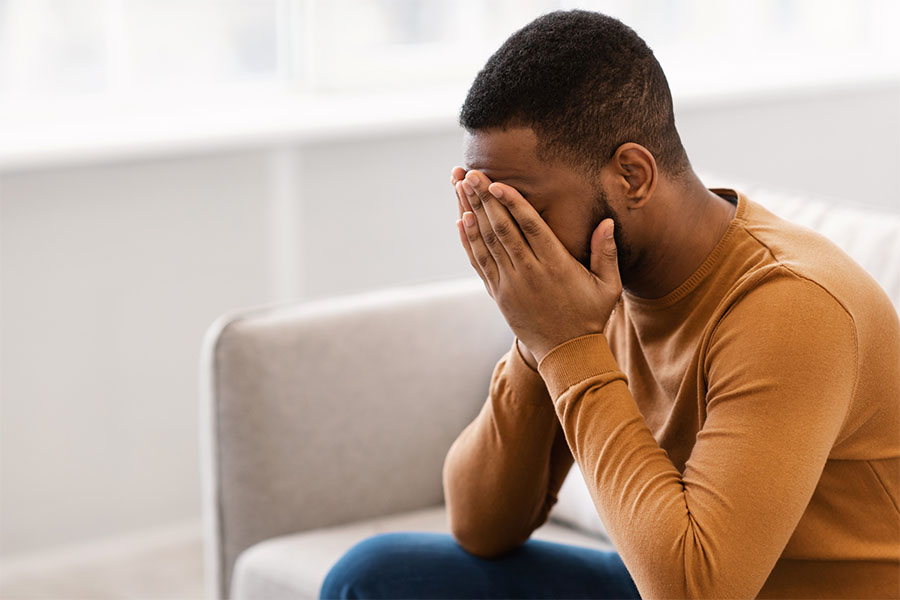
point(484, 541)
point(479, 532)
point(482, 546)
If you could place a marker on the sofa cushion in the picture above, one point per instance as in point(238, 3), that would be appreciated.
point(294, 566)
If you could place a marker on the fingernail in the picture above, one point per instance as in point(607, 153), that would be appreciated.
point(609, 232)
point(496, 191)
point(472, 178)
point(468, 219)
point(467, 188)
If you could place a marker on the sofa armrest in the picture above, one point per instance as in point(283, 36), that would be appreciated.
point(337, 410)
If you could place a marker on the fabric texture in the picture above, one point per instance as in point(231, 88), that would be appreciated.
point(740, 436)
point(289, 567)
point(327, 412)
point(421, 565)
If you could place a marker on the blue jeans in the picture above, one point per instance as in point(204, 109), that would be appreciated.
point(418, 564)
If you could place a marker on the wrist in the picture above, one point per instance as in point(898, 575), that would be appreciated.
point(526, 354)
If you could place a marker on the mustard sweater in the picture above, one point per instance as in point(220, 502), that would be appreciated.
point(740, 436)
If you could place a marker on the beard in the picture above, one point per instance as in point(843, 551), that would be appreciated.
point(601, 210)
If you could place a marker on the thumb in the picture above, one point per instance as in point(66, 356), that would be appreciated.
point(604, 256)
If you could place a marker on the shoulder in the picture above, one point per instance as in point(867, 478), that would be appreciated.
point(799, 253)
point(778, 294)
point(779, 320)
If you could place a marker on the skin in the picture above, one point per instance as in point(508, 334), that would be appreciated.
point(665, 227)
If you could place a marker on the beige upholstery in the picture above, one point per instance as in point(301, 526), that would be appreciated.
point(337, 411)
point(326, 422)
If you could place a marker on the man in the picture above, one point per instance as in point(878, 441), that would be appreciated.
point(728, 382)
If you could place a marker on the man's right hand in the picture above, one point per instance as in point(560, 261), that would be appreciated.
point(457, 175)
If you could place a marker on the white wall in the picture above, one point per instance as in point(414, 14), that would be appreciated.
point(842, 143)
point(112, 270)
point(110, 274)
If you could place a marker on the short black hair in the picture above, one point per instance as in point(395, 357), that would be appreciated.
point(586, 83)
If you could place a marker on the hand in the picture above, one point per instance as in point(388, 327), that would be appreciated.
point(457, 175)
point(545, 294)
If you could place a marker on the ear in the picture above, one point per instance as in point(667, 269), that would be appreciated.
point(635, 173)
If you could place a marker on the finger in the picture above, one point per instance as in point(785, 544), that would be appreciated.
point(462, 234)
point(459, 198)
point(507, 230)
point(456, 174)
point(465, 242)
point(544, 243)
point(604, 254)
point(464, 199)
point(482, 255)
point(475, 186)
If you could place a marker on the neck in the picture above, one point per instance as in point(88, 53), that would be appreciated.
point(695, 220)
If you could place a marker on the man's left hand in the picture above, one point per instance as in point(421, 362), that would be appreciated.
point(545, 294)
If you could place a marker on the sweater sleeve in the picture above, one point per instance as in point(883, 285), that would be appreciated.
point(503, 472)
point(780, 372)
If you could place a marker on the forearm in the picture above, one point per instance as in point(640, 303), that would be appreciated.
point(503, 472)
point(712, 531)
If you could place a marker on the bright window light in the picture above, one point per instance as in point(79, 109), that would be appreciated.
point(197, 50)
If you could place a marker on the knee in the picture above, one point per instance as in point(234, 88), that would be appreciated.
point(363, 570)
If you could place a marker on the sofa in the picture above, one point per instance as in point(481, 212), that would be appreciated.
point(325, 422)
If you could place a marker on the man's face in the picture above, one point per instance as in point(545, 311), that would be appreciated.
point(571, 204)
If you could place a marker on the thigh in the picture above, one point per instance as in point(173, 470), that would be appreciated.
point(414, 564)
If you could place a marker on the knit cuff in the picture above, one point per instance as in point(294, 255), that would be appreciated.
point(576, 360)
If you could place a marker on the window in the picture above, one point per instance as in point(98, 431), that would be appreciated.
point(194, 51)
